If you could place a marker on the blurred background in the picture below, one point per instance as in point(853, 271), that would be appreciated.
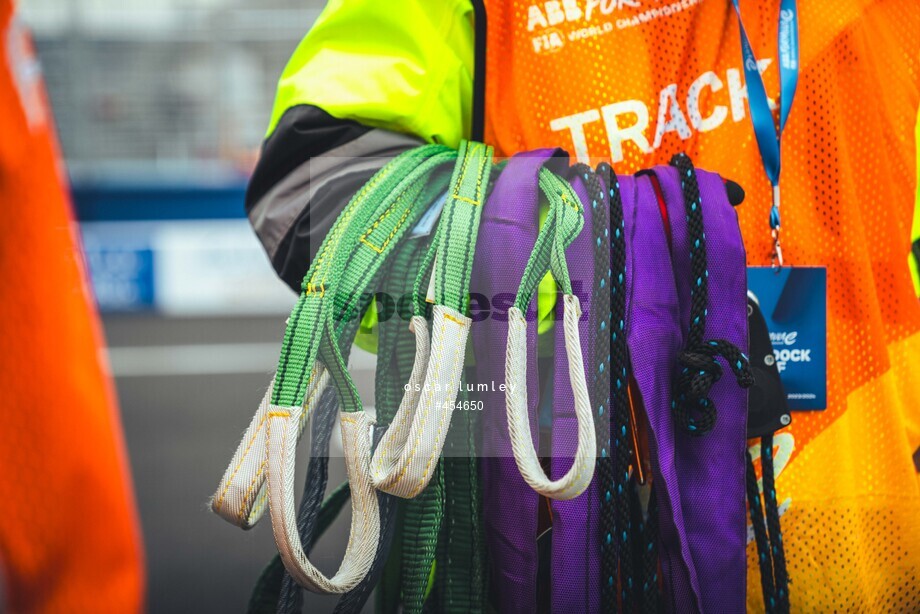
point(160, 110)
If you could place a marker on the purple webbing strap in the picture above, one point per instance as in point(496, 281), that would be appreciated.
point(655, 338)
point(507, 234)
point(576, 549)
point(712, 466)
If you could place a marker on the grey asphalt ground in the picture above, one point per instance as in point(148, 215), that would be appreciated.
point(188, 388)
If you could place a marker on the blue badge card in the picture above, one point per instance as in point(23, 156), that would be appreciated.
point(794, 304)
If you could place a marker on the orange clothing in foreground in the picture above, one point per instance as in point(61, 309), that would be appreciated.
point(69, 535)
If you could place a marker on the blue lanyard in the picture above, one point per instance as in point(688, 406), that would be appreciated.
point(768, 138)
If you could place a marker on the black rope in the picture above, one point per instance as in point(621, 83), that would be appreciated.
point(603, 306)
point(774, 578)
point(650, 594)
point(645, 550)
point(695, 411)
point(637, 547)
point(619, 395)
point(780, 575)
point(633, 547)
point(691, 405)
point(764, 558)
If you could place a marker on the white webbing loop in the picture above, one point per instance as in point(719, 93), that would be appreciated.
point(263, 467)
point(282, 432)
point(408, 453)
point(240, 497)
point(576, 480)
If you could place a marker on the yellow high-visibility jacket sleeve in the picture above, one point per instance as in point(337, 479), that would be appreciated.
point(401, 65)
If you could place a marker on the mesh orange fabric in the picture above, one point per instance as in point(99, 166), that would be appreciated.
point(69, 540)
point(559, 70)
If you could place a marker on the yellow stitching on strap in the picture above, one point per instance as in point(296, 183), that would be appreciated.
point(239, 514)
point(335, 236)
point(279, 414)
point(463, 167)
point(426, 404)
point(475, 203)
point(453, 319)
point(565, 201)
point(223, 493)
point(321, 288)
point(385, 214)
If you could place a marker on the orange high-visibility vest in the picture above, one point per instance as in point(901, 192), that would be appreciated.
point(69, 536)
point(639, 80)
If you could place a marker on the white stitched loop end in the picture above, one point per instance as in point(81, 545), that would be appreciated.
point(282, 432)
point(408, 453)
point(240, 498)
point(384, 464)
point(576, 480)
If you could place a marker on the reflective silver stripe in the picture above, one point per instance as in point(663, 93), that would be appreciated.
point(275, 214)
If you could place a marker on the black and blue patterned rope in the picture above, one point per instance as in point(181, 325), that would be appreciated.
point(604, 288)
point(780, 574)
point(691, 406)
point(764, 558)
point(651, 601)
point(619, 396)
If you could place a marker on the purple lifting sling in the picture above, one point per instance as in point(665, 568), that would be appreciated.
point(575, 570)
point(510, 224)
point(699, 481)
point(654, 342)
point(507, 233)
point(711, 468)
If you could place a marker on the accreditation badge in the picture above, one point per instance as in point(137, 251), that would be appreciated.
point(793, 301)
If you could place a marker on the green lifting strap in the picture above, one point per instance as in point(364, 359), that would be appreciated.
point(345, 265)
point(366, 234)
point(351, 255)
point(459, 227)
point(446, 269)
point(461, 573)
point(562, 226)
point(394, 363)
point(241, 497)
point(382, 212)
point(348, 297)
point(370, 227)
point(461, 570)
point(564, 222)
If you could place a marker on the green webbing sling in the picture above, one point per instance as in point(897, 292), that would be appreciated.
point(450, 262)
point(241, 497)
point(383, 210)
point(372, 223)
point(341, 272)
point(395, 358)
point(346, 263)
point(356, 598)
point(461, 553)
point(461, 572)
point(564, 222)
point(269, 585)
